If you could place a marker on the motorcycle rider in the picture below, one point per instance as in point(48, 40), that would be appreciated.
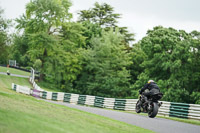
point(152, 88)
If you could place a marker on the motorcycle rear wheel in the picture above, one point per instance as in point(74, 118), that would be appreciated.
point(137, 108)
point(154, 110)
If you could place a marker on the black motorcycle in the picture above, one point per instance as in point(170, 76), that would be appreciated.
point(151, 106)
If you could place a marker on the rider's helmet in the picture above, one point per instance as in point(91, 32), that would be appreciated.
point(150, 81)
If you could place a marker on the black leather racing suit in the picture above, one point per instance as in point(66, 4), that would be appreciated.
point(152, 87)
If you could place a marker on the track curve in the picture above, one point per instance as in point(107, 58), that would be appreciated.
point(158, 125)
point(16, 75)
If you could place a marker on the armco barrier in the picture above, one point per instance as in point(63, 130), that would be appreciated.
point(14, 86)
point(57, 96)
point(49, 95)
point(67, 97)
point(74, 98)
point(82, 99)
point(109, 103)
point(21, 89)
point(164, 109)
point(120, 104)
point(194, 111)
point(169, 109)
point(54, 96)
point(179, 110)
point(44, 94)
point(130, 104)
point(90, 100)
point(35, 86)
point(99, 101)
point(16, 67)
point(36, 93)
point(60, 96)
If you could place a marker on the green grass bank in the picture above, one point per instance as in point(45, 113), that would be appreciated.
point(14, 71)
point(20, 113)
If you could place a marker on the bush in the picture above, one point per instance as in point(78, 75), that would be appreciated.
point(177, 95)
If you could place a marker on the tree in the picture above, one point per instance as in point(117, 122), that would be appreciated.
point(168, 61)
point(100, 14)
point(42, 47)
point(71, 34)
point(42, 22)
point(4, 48)
point(138, 57)
point(104, 16)
point(19, 49)
point(45, 16)
point(194, 67)
point(106, 66)
point(90, 31)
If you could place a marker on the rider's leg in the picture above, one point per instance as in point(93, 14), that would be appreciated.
point(146, 95)
point(139, 103)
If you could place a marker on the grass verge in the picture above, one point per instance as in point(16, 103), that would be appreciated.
point(48, 87)
point(20, 113)
point(6, 81)
point(5, 85)
point(195, 122)
point(14, 71)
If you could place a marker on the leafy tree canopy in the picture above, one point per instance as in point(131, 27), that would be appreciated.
point(104, 16)
point(105, 73)
point(169, 61)
point(4, 48)
point(45, 16)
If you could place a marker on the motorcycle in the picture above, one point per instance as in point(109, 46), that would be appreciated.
point(151, 106)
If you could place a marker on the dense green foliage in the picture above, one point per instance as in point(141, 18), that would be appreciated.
point(4, 24)
point(93, 55)
point(104, 17)
point(172, 62)
point(105, 67)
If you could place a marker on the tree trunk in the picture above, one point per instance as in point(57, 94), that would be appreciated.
point(42, 67)
point(41, 73)
point(41, 77)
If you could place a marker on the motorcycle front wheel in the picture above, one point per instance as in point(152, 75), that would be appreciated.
point(153, 110)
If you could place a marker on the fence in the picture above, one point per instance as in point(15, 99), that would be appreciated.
point(35, 86)
point(169, 109)
point(16, 67)
point(22, 89)
point(181, 110)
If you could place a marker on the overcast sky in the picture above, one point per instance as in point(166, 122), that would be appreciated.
point(137, 15)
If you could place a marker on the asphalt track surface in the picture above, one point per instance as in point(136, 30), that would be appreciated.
point(22, 76)
point(158, 125)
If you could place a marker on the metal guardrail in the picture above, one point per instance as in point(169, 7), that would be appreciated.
point(22, 89)
point(181, 110)
point(16, 67)
point(169, 109)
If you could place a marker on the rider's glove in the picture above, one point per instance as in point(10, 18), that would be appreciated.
point(140, 92)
